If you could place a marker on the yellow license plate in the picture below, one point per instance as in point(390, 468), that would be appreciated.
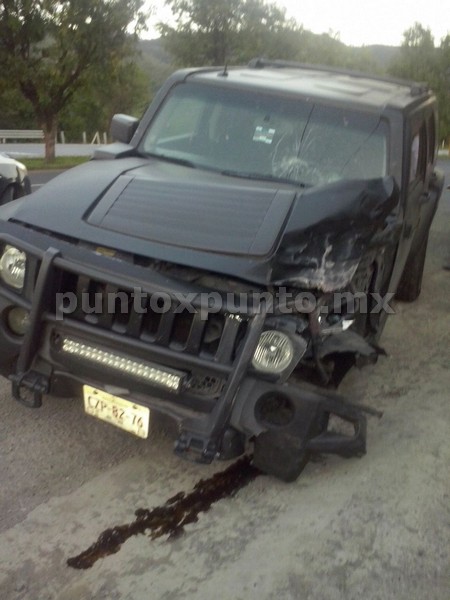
point(117, 411)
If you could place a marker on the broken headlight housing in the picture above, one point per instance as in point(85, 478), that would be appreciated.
point(12, 267)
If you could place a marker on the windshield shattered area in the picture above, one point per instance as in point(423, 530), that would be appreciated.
point(254, 135)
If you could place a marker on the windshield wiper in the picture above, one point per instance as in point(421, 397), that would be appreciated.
point(263, 177)
point(173, 159)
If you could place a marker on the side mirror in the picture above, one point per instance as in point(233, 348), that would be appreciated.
point(123, 128)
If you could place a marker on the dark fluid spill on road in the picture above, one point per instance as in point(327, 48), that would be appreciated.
point(171, 517)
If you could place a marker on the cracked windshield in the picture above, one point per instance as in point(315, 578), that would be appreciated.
point(260, 136)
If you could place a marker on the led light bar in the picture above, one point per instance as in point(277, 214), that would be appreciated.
point(145, 371)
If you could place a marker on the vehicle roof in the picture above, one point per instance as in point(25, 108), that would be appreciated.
point(323, 83)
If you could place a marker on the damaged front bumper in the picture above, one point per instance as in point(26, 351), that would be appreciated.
point(220, 400)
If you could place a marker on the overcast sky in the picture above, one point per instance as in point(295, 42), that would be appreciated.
point(358, 22)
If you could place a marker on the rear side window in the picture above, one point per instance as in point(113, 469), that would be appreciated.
point(418, 156)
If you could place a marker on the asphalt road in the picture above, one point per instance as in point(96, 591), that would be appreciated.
point(375, 528)
point(39, 178)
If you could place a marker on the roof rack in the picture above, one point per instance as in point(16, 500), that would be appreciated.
point(416, 88)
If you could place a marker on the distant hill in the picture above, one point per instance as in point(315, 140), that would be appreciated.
point(376, 57)
point(382, 55)
point(154, 50)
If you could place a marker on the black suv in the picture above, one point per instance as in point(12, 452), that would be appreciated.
point(227, 259)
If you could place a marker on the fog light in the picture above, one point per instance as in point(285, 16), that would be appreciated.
point(12, 267)
point(18, 320)
point(274, 352)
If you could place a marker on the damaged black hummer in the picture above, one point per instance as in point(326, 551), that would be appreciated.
point(227, 259)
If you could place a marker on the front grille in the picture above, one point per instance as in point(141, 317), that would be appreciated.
point(167, 323)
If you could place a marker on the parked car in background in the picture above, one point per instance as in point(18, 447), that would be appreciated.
point(227, 259)
point(14, 180)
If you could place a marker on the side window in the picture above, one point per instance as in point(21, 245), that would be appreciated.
point(177, 124)
point(418, 155)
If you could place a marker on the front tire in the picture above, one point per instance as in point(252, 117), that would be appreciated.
point(26, 185)
point(7, 196)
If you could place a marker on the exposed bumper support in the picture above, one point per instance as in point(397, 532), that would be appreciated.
point(306, 413)
point(209, 441)
point(29, 388)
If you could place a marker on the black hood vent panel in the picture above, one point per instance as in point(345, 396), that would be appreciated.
point(208, 217)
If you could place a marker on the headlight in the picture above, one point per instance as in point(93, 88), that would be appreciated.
point(274, 352)
point(12, 267)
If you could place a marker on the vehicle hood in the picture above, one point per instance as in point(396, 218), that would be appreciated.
point(244, 228)
point(11, 168)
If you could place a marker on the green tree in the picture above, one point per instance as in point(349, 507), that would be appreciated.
point(320, 49)
point(124, 89)
point(214, 32)
point(418, 57)
point(443, 91)
point(16, 112)
point(420, 60)
point(50, 48)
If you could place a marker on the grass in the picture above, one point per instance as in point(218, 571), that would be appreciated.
point(60, 162)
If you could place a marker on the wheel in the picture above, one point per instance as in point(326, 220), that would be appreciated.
point(411, 281)
point(26, 185)
point(7, 195)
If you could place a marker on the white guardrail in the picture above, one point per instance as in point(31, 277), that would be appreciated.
point(21, 134)
point(38, 134)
